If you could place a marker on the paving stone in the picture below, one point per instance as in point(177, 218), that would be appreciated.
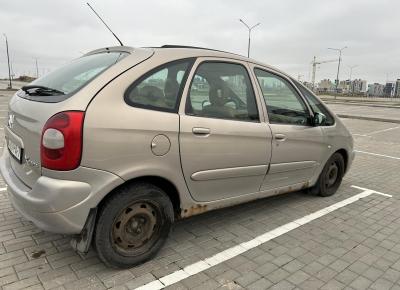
point(372, 273)
point(207, 285)
point(339, 265)
point(247, 278)
point(21, 284)
point(312, 283)
point(282, 285)
point(346, 276)
point(278, 275)
point(195, 280)
point(333, 285)
point(298, 277)
point(259, 284)
point(7, 279)
point(139, 281)
point(361, 283)
point(293, 266)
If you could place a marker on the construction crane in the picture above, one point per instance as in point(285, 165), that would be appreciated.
point(314, 66)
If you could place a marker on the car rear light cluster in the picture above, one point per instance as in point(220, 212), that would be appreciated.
point(61, 144)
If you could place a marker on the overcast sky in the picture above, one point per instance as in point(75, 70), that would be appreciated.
point(290, 34)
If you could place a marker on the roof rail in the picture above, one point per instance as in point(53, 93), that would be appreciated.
point(195, 47)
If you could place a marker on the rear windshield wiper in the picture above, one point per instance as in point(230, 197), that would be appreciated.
point(41, 90)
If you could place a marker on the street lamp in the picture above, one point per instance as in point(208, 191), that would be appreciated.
point(338, 67)
point(8, 61)
point(351, 69)
point(249, 28)
point(37, 68)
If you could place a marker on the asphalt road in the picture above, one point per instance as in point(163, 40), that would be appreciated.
point(291, 241)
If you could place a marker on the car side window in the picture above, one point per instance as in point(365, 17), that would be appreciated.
point(284, 104)
point(160, 89)
point(222, 90)
point(316, 105)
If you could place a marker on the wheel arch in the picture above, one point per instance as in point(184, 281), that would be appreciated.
point(163, 183)
point(345, 156)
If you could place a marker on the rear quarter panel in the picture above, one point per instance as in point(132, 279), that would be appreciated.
point(117, 137)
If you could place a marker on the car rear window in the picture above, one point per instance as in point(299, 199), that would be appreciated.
point(68, 79)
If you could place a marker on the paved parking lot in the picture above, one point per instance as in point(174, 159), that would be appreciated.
point(351, 241)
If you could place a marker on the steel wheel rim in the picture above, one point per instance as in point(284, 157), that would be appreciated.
point(136, 228)
point(332, 174)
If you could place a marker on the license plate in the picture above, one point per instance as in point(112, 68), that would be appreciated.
point(15, 150)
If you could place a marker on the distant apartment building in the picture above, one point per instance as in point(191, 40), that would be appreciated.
point(375, 90)
point(397, 89)
point(388, 91)
point(344, 86)
point(308, 85)
point(359, 86)
point(326, 85)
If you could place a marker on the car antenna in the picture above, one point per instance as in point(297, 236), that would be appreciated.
point(120, 42)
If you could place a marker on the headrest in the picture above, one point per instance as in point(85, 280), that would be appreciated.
point(151, 92)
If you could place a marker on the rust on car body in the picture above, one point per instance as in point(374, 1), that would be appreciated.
point(194, 210)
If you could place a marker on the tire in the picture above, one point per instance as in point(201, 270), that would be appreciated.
point(330, 178)
point(133, 225)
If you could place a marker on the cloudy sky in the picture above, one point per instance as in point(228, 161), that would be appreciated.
point(290, 34)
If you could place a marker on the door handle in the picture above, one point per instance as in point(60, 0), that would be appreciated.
point(280, 137)
point(201, 131)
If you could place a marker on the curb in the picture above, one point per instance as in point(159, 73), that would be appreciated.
point(369, 118)
point(397, 106)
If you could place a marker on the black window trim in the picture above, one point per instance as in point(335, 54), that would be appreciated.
point(189, 60)
point(295, 89)
point(227, 61)
point(322, 103)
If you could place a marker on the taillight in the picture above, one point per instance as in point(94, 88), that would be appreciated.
point(61, 144)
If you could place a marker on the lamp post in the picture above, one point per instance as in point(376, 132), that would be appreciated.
point(37, 68)
point(338, 67)
point(8, 61)
point(250, 29)
point(351, 69)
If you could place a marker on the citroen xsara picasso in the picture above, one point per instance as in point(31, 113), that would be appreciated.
point(116, 145)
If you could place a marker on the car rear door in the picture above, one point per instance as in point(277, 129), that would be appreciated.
point(298, 147)
point(225, 148)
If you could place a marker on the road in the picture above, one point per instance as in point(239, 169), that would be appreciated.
point(354, 245)
point(383, 113)
point(15, 84)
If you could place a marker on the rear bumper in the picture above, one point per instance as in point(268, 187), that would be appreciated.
point(57, 205)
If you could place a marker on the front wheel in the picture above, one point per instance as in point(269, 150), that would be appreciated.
point(133, 225)
point(330, 177)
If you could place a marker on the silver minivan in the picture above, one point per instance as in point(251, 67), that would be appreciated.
point(116, 145)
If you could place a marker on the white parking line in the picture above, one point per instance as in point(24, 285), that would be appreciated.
point(381, 131)
point(3, 189)
point(376, 154)
point(232, 252)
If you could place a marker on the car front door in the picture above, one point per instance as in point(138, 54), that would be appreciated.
point(298, 147)
point(225, 148)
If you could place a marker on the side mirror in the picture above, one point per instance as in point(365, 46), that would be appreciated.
point(319, 119)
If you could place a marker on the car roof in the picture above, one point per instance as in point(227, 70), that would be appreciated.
point(190, 51)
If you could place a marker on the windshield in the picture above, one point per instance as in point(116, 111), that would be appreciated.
point(74, 75)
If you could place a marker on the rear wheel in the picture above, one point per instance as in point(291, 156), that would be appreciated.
point(330, 177)
point(133, 225)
